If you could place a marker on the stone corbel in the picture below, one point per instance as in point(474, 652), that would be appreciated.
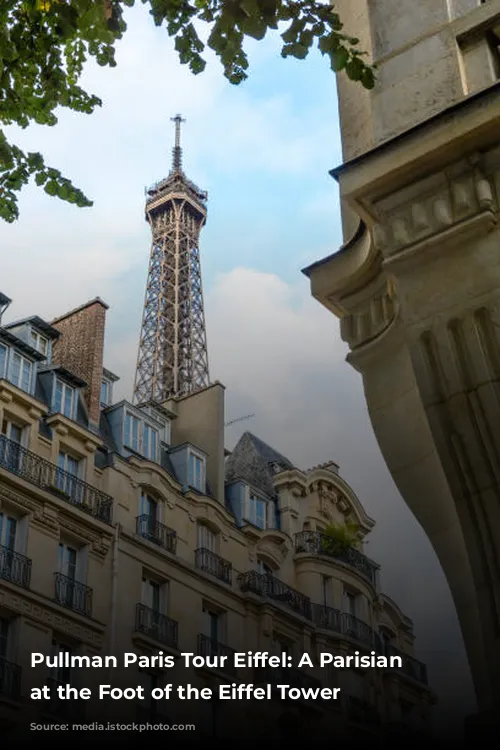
point(5, 396)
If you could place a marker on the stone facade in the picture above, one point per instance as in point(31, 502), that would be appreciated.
point(416, 284)
point(128, 550)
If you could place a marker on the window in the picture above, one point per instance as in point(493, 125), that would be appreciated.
point(257, 514)
point(4, 638)
point(68, 557)
point(149, 507)
point(350, 603)
point(3, 360)
point(281, 645)
point(11, 454)
point(150, 443)
point(106, 393)
point(214, 624)
point(21, 372)
point(154, 594)
point(196, 477)
point(264, 569)
point(64, 400)
point(39, 342)
point(132, 432)
point(68, 476)
point(8, 529)
point(206, 538)
point(69, 464)
point(327, 589)
point(60, 674)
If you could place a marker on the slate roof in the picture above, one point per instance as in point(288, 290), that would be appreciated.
point(255, 463)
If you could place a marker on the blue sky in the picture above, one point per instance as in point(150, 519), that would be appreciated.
point(262, 151)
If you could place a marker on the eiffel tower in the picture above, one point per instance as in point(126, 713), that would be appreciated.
point(172, 358)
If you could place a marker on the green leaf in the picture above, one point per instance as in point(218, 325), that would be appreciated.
point(339, 59)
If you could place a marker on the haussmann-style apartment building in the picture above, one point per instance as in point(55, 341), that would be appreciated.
point(131, 529)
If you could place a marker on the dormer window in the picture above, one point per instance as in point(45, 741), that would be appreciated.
point(21, 372)
point(196, 471)
point(64, 399)
point(39, 342)
point(257, 511)
point(141, 437)
point(106, 392)
point(132, 432)
point(150, 443)
point(3, 360)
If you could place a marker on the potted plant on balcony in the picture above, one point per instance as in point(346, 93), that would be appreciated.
point(339, 538)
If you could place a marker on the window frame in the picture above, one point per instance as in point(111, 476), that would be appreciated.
point(6, 349)
point(253, 501)
point(23, 361)
point(65, 388)
point(35, 338)
point(196, 457)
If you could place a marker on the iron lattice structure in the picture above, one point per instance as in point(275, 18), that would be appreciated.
point(172, 358)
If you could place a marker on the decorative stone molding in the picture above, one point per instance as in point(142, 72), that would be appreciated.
point(99, 545)
point(41, 614)
point(5, 396)
point(372, 317)
point(433, 206)
point(40, 515)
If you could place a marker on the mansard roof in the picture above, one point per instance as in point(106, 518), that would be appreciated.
point(255, 463)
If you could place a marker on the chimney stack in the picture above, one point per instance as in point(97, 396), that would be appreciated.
point(81, 349)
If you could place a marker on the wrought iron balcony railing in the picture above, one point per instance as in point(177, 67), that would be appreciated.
point(411, 667)
point(14, 567)
point(154, 531)
point(155, 625)
point(344, 624)
point(48, 476)
point(208, 647)
point(213, 564)
point(73, 595)
point(265, 584)
point(10, 679)
point(315, 543)
point(61, 707)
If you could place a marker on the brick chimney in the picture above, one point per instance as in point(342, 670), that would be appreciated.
point(81, 348)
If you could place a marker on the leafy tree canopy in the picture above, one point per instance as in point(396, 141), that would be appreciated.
point(44, 45)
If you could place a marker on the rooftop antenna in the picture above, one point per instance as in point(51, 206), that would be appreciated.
point(239, 419)
point(177, 150)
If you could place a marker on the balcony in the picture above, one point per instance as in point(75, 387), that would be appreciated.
point(48, 476)
point(315, 543)
point(344, 624)
point(154, 531)
point(361, 712)
point(14, 567)
point(412, 667)
point(73, 595)
point(155, 625)
point(292, 676)
point(211, 563)
point(207, 647)
point(72, 710)
point(10, 679)
point(269, 586)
